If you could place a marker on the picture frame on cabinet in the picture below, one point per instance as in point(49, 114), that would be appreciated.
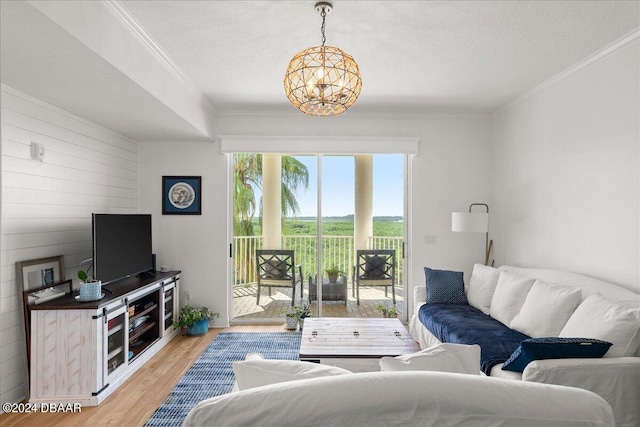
point(181, 195)
point(41, 272)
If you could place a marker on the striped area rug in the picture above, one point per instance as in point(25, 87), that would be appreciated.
point(211, 375)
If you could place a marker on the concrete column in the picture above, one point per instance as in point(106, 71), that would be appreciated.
point(363, 200)
point(271, 201)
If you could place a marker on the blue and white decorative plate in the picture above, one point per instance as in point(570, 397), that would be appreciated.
point(181, 195)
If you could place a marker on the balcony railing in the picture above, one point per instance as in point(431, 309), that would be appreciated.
point(338, 251)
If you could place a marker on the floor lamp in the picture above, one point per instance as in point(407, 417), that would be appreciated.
point(475, 222)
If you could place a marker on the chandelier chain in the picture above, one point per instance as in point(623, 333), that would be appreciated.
point(323, 13)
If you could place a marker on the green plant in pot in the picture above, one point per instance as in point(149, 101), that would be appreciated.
point(387, 311)
point(291, 319)
point(196, 320)
point(333, 273)
point(90, 289)
point(302, 313)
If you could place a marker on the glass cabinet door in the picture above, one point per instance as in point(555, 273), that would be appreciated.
point(169, 304)
point(117, 345)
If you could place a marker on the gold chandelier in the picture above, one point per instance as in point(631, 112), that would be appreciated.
point(322, 80)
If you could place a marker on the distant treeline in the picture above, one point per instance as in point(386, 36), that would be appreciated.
point(338, 226)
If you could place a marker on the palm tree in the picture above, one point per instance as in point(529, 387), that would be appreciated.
point(294, 175)
point(248, 177)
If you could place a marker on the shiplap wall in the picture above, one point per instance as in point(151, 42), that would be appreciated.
point(47, 206)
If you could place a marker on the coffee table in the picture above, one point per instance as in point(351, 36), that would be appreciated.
point(355, 344)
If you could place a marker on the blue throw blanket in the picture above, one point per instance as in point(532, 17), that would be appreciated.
point(463, 324)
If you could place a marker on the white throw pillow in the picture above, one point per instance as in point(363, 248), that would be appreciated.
point(445, 357)
point(256, 371)
point(481, 287)
point(603, 319)
point(510, 293)
point(546, 310)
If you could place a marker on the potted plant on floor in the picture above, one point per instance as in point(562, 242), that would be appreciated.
point(303, 312)
point(386, 311)
point(333, 274)
point(196, 320)
point(292, 320)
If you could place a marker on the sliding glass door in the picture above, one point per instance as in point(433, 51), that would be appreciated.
point(323, 210)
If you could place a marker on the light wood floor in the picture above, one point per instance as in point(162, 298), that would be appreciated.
point(137, 399)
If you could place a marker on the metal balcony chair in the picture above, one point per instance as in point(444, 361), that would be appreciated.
point(375, 267)
point(277, 268)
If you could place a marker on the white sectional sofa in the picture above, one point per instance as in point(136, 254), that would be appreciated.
point(382, 399)
point(615, 377)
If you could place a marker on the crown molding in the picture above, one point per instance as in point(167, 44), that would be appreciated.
point(596, 57)
point(131, 24)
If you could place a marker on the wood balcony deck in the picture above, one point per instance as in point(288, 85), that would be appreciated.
point(274, 307)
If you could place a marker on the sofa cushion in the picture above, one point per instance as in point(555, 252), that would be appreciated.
point(600, 318)
point(481, 287)
point(276, 269)
point(554, 348)
point(445, 287)
point(463, 324)
point(255, 371)
point(509, 296)
point(457, 358)
point(546, 310)
point(375, 267)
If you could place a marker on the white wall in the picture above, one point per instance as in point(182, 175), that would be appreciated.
point(195, 244)
point(450, 172)
point(566, 180)
point(46, 207)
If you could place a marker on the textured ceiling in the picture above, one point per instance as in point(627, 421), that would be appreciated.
point(414, 56)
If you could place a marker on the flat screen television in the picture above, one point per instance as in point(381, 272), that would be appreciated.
point(121, 245)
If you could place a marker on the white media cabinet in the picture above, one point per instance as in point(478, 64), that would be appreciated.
point(81, 352)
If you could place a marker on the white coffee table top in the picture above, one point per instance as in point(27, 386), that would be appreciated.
point(343, 337)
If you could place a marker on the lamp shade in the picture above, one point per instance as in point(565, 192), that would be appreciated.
point(477, 222)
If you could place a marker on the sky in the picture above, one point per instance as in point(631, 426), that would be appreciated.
point(338, 184)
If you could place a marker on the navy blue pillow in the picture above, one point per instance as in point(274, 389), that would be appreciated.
point(445, 287)
point(554, 348)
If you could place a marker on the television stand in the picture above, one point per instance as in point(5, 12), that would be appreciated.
point(82, 352)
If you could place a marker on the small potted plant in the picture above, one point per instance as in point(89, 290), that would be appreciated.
point(196, 320)
point(90, 289)
point(302, 312)
point(387, 311)
point(333, 274)
point(291, 320)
